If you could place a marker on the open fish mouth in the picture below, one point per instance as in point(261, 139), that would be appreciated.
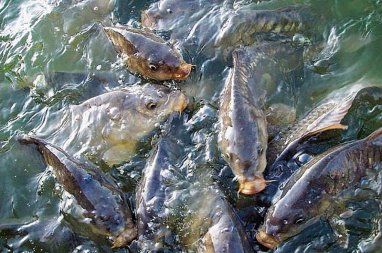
point(267, 240)
point(147, 20)
point(253, 186)
point(182, 72)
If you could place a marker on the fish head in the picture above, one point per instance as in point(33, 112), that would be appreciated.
point(246, 159)
point(115, 224)
point(163, 14)
point(170, 66)
point(299, 208)
point(277, 229)
point(161, 62)
point(147, 54)
point(126, 236)
point(150, 104)
point(135, 111)
point(157, 101)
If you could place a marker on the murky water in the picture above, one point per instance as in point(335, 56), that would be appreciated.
point(53, 54)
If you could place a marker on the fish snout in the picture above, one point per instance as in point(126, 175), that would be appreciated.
point(182, 72)
point(267, 240)
point(148, 19)
point(272, 229)
point(254, 186)
point(125, 237)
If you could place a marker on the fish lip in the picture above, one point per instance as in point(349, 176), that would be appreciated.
point(250, 187)
point(147, 20)
point(181, 103)
point(125, 237)
point(267, 240)
point(182, 72)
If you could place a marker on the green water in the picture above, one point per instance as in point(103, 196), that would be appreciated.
point(62, 41)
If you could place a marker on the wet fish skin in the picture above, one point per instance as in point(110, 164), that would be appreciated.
point(225, 233)
point(147, 54)
point(113, 123)
point(150, 201)
point(326, 116)
point(245, 23)
point(98, 195)
point(243, 129)
point(310, 192)
point(163, 14)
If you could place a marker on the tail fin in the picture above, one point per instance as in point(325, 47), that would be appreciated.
point(27, 139)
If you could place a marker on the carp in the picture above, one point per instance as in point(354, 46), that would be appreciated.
point(147, 54)
point(243, 133)
point(110, 125)
point(103, 203)
point(312, 192)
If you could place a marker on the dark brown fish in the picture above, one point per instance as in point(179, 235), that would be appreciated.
point(98, 195)
point(243, 133)
point(313, 190)
point(147, 54)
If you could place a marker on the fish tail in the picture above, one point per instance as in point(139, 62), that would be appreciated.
point(27, 139)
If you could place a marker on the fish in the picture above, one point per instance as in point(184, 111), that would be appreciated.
point(153, 229)
point(326, 116)
point(166, 14)
point(243, 133)
point(110, 126)
point(312, 192)
point(181, 213)
point(97, 194)
point(225, 232)
point(242, 26)
point(147, 54)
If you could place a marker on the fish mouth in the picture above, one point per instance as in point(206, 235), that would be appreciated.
point(182, 72)
point(147, 20)
point(125, 237)
point(253, 186)
point(267, 240)
point(180, 102)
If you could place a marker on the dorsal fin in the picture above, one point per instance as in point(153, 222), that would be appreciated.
point(332, 119)
point(121, 44)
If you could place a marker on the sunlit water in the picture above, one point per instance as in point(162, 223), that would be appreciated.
point(53, 54)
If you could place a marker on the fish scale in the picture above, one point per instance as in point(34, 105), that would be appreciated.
point(322, 181)
point(242, 136)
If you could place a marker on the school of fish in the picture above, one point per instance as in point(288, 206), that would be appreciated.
point(251, 138)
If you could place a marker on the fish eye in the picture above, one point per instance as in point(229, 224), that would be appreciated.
point(169, 11)
point(299, 220)
point(153, 67)
point(151, 105)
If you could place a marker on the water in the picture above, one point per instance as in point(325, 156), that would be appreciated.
point(53, 54)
